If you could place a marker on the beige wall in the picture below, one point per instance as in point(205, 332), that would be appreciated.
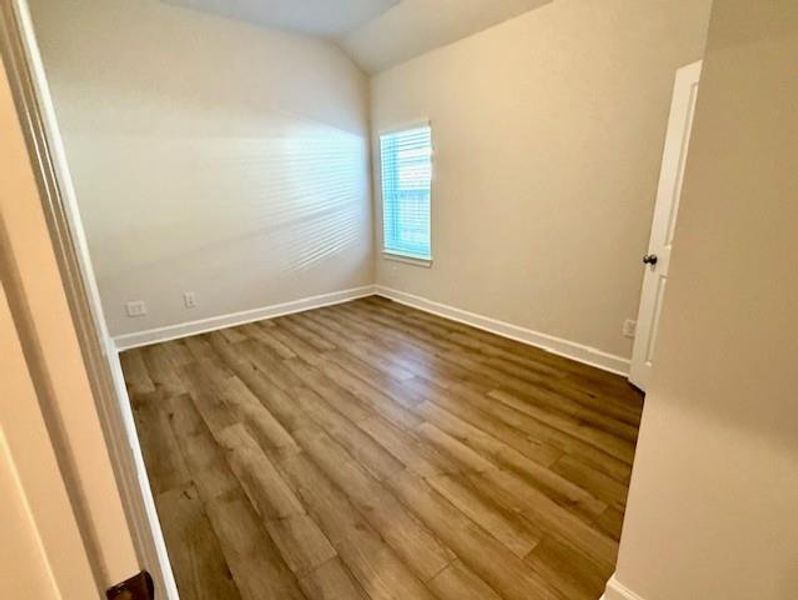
point(712, 511)
point(549, 132)
point(208, 156)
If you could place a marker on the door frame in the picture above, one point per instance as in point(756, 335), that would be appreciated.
point(30, 91)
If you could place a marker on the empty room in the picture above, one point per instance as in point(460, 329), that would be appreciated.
point(399, 299)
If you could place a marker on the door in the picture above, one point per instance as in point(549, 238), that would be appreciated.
point(657, 260)
point(77, 368)
point(42, 554)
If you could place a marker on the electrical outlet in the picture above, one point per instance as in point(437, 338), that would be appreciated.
point(190, 300)
point(136, 309)
point(629, 328)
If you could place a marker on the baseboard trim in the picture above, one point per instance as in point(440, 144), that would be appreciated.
point(555, 345)
point(182, 330)
point(578, 352)
point(618, 591)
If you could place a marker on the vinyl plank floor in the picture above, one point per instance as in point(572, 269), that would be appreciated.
point(369, 451)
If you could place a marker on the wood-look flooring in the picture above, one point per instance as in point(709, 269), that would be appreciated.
point(369, 450)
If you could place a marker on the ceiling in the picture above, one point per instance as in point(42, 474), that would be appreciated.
point(326, 18)
point(414, 27)
point(377, 34)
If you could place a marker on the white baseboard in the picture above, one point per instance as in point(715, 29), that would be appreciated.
point(578, 352)
point(618, 591)
point(555, 345)
point(144, 522)
point(173, 332)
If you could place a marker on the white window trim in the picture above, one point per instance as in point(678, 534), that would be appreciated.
point(404, 126)
point(392, 254)
point(407, 259)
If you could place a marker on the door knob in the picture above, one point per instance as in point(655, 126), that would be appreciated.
point(650, 259)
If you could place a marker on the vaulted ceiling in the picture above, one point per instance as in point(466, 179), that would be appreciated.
point(377, 34)
point(327, 18)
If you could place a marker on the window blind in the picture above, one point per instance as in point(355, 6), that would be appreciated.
point(406, 158)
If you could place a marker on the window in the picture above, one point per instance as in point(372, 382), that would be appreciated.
point(406, 158)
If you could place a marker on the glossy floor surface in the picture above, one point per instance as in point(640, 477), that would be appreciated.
point(369, 450)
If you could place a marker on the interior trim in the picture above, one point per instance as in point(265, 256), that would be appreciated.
point(573, 350)
point(618, 591)
point(407, 259)
point(182, 330)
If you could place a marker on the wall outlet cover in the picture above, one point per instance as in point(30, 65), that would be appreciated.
point(136, 309)
point(190, 299)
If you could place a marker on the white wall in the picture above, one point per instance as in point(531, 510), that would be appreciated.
point(712, 507)
point(208, 156)
point(549, 131)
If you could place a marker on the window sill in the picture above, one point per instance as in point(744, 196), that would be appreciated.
point(410, 260)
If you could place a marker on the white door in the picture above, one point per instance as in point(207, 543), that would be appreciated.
point(42, 556)
point(657, 261)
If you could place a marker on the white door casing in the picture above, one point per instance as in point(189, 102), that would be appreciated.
point(677, 141)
